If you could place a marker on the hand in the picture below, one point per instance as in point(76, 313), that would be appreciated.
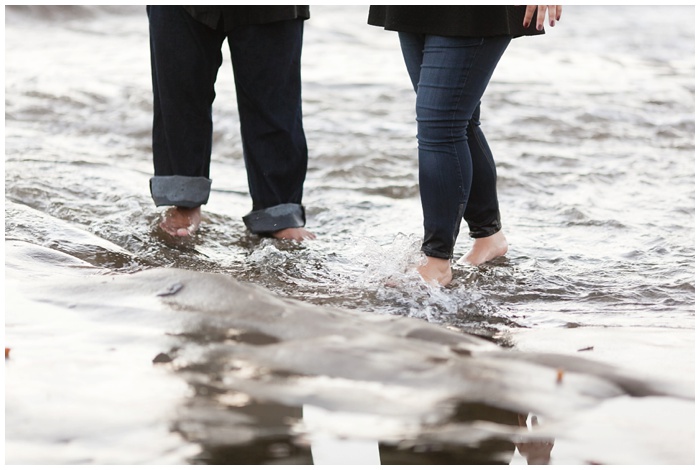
point(554, 12)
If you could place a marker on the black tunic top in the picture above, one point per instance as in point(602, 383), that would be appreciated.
point(236, 15)
point(453, 20)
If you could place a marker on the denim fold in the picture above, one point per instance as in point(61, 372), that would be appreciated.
point(182, 191)
point(485, 228)
point(275, 218)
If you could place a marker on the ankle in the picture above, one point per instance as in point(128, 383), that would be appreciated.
point(436, 270)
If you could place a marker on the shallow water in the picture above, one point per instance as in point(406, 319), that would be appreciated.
point(592, 127)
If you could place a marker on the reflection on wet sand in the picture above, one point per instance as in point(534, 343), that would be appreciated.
point(231, 429)
point(402, 392)
point(272, 380)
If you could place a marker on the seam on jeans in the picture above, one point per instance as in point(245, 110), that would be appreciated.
point(480, 142)
point(465, 194)
point(458, 221)
point(454, 111)
point(481, 232)
point(485, 150)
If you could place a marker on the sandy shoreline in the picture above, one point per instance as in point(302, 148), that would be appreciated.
point(81, 385)
point(647, 431)
point(664, 354)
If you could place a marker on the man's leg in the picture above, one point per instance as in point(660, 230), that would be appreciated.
point(267, 70)
point(185, 58)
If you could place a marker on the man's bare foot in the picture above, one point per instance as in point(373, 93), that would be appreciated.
point(181, 221)
point(485, 249)
point(436, 271)
point(294, 233)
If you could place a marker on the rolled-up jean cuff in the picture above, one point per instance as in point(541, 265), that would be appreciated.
point(486, 229)
point(275, 218)
point(183, 191)
point(436, 254)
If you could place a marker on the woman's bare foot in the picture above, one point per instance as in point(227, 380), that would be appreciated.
point(485, 249)
point(181, 221)
point(436, 270)
point(294, 233)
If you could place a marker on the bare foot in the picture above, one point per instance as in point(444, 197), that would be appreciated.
point(181, 221)
point(485, 249)
point(294, 233)
point(436, 271)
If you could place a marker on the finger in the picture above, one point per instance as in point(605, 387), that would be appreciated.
point(541, 11)
point(529, 11)
point(554, 12)
point(551, 14)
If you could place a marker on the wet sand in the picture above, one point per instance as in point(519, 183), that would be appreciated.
point(175, 366)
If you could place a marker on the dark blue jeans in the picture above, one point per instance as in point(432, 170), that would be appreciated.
point(185, 58)
point(457, 173)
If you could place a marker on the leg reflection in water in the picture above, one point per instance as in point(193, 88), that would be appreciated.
point(328, 449)
point(536, 451)
point(447, 447)
point(232, 429)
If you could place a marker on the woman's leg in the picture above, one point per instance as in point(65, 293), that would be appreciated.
point(453, 76)
point(482, 212)
point(412, 45)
